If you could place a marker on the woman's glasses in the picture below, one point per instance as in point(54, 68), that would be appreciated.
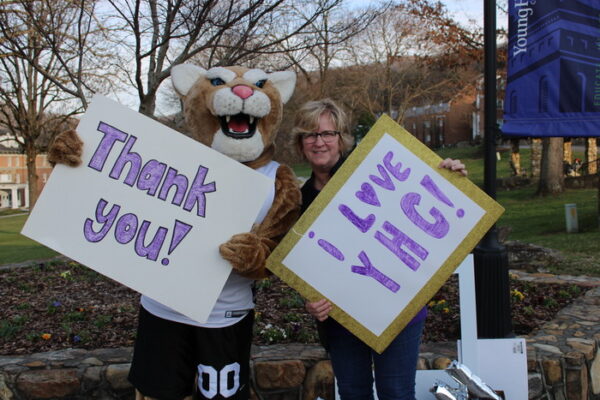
point(326, 136)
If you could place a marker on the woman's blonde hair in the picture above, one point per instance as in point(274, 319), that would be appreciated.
point(307, 120)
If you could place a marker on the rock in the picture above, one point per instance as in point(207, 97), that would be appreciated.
point(575, 358)
point(585, 346)
point(116, 375)
point(441, 363)
point(422, 363)
point(595, 374)
point(547, 348)
point(5, 392)
point(92, 361)
point(92, 376)
point(552, 370)
point(279, 374)
point(10, 361)
point(577, 383)
point(49, 383)
point(35, 364)
point(530, 257)
point(547, 338)
point(535, 384)
point(319, 382)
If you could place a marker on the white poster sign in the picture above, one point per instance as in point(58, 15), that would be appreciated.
point(384, 234)
point(148, 208)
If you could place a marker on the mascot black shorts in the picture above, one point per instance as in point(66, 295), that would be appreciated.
point(173, 360)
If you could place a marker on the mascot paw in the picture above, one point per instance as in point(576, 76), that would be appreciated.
point(247, 253)
point(66, 149)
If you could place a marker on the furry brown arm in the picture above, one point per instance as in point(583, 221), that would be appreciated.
point(248, 252)
point(66, 149)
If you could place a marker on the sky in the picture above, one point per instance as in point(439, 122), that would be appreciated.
point(462, 10)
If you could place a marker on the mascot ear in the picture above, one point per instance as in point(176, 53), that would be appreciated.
point(184, 76)
point(285, 82)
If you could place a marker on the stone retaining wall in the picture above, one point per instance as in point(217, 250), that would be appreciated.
point(563, 364)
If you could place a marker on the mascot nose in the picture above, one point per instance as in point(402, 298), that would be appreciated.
point(242, 91)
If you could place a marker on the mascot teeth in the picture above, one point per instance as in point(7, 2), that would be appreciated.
point(239, 126)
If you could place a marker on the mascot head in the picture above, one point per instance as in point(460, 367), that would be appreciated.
point(234, 110)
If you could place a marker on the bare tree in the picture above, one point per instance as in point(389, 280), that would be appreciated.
point(404, 58)
point(38, 89)
point(327, 37)
point(154, 35)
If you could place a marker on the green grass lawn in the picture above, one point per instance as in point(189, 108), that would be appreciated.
point(537, 220)
point(531, 219)
point(16, 248)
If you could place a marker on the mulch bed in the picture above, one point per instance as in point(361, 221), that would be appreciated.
point(62, 305)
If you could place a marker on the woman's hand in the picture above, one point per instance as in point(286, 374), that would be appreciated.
point(454, 165)
point(319, 309)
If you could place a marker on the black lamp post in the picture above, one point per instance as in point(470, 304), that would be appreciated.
point(491, 259)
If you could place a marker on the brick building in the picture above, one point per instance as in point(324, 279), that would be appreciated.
point(445, 123)
point(14, 188)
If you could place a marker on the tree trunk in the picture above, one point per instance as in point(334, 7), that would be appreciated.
point(591, 156)
point(515, 157)
point(568, 151)
point(32, 177)
point(552, 178)
point(148, 104)
point(536, 157)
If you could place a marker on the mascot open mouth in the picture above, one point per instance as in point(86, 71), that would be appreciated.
point(239, 126)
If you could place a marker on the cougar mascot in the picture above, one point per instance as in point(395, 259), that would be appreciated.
point(236, 111)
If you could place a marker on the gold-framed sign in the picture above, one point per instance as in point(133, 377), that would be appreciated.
point(384, 234)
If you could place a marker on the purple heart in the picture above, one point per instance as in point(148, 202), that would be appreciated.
point(367, 194)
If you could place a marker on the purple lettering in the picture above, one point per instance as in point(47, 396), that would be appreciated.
point(152, 250)
point(331, 249)
point(395, 169)
point(150, 176)
point(125, 157)
point(173, 179)
point(180, 230)
point(363, 225)
point(398, 240)
point(196, 195)
point(126, 228)
point(432, 188)
point(369, 270)
point(385, 181)
point(111, 135)
point(438, 229)
point(107, 220)
point(367, 195)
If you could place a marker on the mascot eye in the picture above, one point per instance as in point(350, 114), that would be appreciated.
point(217, 82)
point(261, 83)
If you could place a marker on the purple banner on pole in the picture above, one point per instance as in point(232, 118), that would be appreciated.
point(553, 82)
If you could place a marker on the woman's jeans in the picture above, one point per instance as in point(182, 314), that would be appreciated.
point(395, 369)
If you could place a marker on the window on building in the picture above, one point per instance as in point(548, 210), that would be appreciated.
point(427, 131)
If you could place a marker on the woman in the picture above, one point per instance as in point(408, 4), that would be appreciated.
point(320, 135)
